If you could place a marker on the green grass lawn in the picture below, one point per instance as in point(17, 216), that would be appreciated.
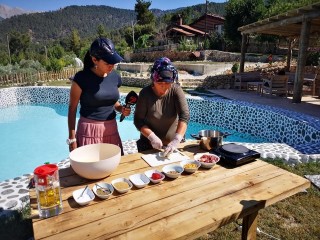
point(296, 217)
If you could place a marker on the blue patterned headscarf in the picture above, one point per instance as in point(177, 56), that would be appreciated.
point(164, 71)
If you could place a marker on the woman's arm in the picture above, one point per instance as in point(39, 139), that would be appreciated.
point(182, 128)
point(145, 131)
point(75, 93)
point(121, 109)
point(140, 115)
point(118, 107)
point(182, 106)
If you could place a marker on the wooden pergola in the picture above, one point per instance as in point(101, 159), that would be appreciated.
point(302, 23)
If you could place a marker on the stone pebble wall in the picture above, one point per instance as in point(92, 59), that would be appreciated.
point(275, 125)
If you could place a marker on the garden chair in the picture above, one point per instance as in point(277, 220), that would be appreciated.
point(277, 84)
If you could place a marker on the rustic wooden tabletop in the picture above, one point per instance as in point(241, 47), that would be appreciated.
point(186, 207)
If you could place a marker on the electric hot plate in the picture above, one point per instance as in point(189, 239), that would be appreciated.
point(235, 155)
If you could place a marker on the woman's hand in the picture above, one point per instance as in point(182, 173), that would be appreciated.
point(125, 111)
point(72, 146)
point(122, 109)
point(173, 144)
point(155, 141)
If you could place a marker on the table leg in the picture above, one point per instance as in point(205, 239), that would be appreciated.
point(313, 88)
point(259, 88)
point(249, 226)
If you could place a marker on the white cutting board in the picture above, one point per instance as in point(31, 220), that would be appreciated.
point(154, 159)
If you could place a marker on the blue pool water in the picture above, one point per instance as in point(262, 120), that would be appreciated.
point(34, 134)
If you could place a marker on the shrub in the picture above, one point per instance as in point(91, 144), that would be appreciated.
point(313, 59)
point(235, 67)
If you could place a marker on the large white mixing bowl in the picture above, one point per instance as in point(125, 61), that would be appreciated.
point(95, 161)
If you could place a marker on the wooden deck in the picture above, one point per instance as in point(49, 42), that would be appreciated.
point(183, 208)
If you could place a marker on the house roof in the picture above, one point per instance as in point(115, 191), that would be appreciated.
point(191, 29)
point(183, 32)
point(287, 24)
point(218, 18)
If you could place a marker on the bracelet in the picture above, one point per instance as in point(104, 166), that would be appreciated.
point(70, 141)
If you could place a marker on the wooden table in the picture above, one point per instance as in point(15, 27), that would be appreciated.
point(312, 82)
point(183, 208)
point(255, 86)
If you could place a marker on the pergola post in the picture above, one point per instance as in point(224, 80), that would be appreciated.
point(243, 51)
point(302, 57)
point(289, 54)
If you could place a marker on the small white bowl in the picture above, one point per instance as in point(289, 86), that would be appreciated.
point(119, 189)
point(169, 169)
point(150, 173)
point(105, 188)
point(85, 198)
point(209, 163)
point(139, 180)
point(193, 162)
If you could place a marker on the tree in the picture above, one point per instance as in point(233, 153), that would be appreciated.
point(18, 44)
point(143, 41)
point(75, 43)
point(56, 51)
point(144, 15)
point(240, 13)
point(101, 31)
point(188, 15)
point(275, 7)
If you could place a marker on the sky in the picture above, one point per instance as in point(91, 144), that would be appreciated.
point(51, 5)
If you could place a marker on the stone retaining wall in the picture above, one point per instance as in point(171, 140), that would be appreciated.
point(219, 81)
point(205, 55)
point(210, 82)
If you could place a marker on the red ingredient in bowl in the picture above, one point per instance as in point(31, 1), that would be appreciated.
point(208, 158)
point(156, 176)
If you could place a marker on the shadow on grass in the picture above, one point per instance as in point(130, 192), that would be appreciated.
point(15, 226)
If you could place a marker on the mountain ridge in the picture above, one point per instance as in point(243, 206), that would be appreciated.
point(7, 11)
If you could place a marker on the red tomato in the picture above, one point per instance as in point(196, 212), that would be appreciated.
point(156, 176)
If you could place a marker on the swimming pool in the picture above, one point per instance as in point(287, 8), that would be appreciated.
point(262, 122)
point(32, 134)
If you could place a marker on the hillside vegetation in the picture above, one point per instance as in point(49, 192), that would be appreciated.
point(85, 19)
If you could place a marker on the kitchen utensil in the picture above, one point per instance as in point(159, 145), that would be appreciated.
point(83, 191)
point(235, 155)
point(210, 139)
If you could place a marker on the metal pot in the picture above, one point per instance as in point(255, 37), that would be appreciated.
point(210, 139)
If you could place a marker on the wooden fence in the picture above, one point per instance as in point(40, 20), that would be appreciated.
point(31, 79)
